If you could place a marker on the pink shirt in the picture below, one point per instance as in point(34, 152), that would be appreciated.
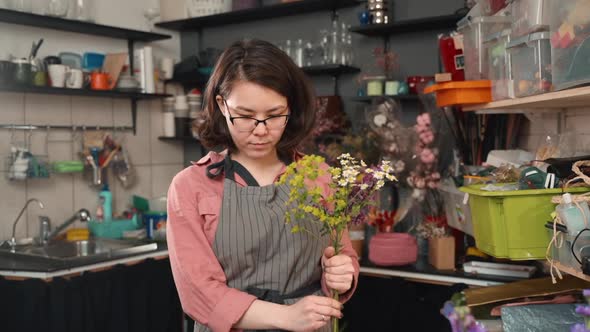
point(194, 204)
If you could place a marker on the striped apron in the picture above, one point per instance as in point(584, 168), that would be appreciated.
point(255, 246)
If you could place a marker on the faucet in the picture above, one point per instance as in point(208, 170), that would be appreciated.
point(83, 215)
point(12, 241)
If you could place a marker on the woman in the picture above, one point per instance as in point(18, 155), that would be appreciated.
point(235, 262)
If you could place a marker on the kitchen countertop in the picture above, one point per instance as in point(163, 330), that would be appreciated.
point(25, 267)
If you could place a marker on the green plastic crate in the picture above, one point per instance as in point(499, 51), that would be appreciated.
point(113, 229)
point(510, 224)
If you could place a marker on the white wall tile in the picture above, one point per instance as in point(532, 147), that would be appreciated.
point(142, 187)
point(162, 177)
point(9, 138)
point(137, 145)
point(85, 195)
point(48, 109)
point(92, 111)
point(56, 193)
point(12, 199)
point(11, 108)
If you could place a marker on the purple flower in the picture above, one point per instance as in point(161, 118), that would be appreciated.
point(579, 328)
point(583, 310)
point(477, 327)
point(586, 292)
point(448, 308)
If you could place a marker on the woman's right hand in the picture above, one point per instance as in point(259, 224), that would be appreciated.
point(311, 313)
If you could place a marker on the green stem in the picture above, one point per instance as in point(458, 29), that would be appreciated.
point(335, 320)
point(335, 294)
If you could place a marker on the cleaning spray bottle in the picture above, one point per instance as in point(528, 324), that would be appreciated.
point(105, 206)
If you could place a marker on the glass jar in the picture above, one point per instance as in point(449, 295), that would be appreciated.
point(21, 5)
point(58, 8)
point(83, 10)
point(168, 117)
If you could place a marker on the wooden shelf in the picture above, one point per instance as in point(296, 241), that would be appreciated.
point(571, 271)
point(414, 25)
point(370, 99)
point(333, 70)
point(254, 14)
point(87, 28)
point(578, 97)
point(81, 92)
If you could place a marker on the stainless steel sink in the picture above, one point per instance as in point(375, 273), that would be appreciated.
point(87, 250)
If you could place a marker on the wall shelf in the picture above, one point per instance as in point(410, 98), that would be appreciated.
point(87, 28)
point(80, 92)
point(254, 14)
point(370, 99)
point(413, 25)
point(558, 100)
point(333, 70)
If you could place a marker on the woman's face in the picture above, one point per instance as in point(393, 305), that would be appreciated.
point(247, 103)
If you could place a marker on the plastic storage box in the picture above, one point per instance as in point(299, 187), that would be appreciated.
point(475, 31)
point(570, 43)
point(530, 16)
point(531, 64)
point(510, 224)
point(499, 65)
point(113, 229)
point(564, 254)
point(457, 211)
point(461, 93)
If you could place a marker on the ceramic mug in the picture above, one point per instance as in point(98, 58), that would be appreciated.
point(75, 79)
point(167, 67)
point(100, 81)
point(57, 75)
point(391, 88)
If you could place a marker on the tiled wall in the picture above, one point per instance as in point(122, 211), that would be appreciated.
point(573, 124)
point(154, 162)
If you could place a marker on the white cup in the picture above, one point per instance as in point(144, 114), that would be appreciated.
point(167, 68)
point(75, 79)
point(57, 74)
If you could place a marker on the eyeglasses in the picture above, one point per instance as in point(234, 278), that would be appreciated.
point(248, 124)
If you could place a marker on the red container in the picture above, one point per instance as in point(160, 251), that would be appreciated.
point(393, 249)
point(417, 83)
point(452, 57)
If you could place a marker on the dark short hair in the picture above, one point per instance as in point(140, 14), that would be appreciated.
point(262, 63)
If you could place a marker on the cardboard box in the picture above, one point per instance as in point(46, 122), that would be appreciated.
point(441, 252)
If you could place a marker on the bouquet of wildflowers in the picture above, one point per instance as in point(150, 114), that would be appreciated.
point(583, 310)
point(352, 184)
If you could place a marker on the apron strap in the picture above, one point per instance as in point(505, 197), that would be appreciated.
point(231, 167)
point(275, 297)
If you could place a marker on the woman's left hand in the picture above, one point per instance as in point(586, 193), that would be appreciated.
point(338, 270)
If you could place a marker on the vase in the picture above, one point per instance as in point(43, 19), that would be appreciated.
point(422, 246)
point(393, 249)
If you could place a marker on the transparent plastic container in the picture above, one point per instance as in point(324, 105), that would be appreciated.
point(570, 43)
point(475, 31)
point(530, 16)
point(531, 64)
point(564, 254)
point(457, 210)
point(499, 65)
point(490, 7)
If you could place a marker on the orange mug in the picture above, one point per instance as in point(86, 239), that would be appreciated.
point(100, 81)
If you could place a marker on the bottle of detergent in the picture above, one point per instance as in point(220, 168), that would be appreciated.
point(106, 203)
